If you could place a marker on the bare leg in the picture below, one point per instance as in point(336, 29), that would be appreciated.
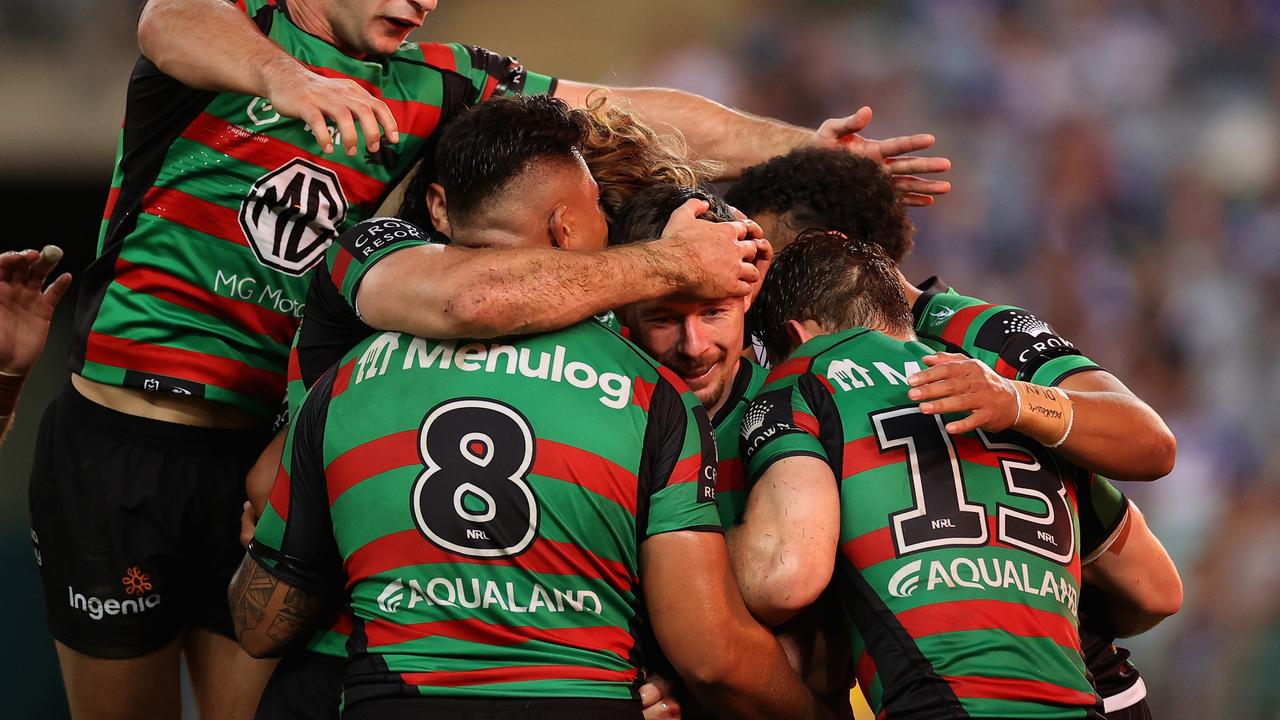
point(227, 682)
point(109, 689)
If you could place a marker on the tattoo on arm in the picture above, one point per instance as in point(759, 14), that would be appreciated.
point(297, 613)
point(268, 612)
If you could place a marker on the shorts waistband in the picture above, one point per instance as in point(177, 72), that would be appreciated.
point(159, 434)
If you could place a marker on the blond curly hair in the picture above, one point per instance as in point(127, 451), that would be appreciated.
point(625, 155)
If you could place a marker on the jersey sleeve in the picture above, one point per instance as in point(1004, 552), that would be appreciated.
point(1011, 340)
point(677, 466)
point(1104, 513)
point(780, 423)
point(493, 74)
point(294, 538)
point(363, 246)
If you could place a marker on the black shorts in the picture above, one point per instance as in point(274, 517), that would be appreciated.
point(304, 686)
point(468, 709)
point(135, 524)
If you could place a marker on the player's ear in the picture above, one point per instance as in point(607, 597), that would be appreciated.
point(800, 333)
point(436, 208)
point(558, 228)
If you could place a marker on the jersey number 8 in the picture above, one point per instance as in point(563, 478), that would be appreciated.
point(474, 498)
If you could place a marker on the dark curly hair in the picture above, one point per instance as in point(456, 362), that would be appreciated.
point(488, 145)
point(644, 215)
point(837, 281)
point(826, 188)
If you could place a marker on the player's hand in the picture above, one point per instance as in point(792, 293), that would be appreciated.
point(658, 699)
point(956, 383)
point(892, 153)
point(297, 92)
point(26, 306)
point(248, 524)
point(712, 259)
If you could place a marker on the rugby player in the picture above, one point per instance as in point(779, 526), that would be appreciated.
point(821, 189)
point(26, 308)
point(498, 189)
point(218, 211)
point(954, 612)
point(415, 461)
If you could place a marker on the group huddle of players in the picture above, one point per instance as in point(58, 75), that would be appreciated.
point(565, 437)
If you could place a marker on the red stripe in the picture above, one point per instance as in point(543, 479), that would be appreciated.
point(343, 624)
point(958, 326)
point(195, 213)
point(794, 366)
point(343, 380)
point(827, 384)
point(642, 394)
point(865, 672)
point(674, 379)
point(870, 548)
point(439, 55)
point(730, 475)
point(339, 272)
point(238, 313)
point(270, 153)
point(687, 470)
point(601, 637)
point(293, 372)
point(490, 84)
point(587, 470)
point(368, 459)
point(544, 556)
point(279, 498)
point(112, 196)
point(417, 118)
point(1006, 369)
point(185, 364)
point(1013, 618)
point(805, 422)
point(517, 674)
point(1017, 689)
point(864, 454)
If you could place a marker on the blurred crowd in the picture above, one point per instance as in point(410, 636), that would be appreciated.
point(1117, 172)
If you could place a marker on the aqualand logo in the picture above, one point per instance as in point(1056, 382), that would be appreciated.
point(485, 594)
point(982, 574)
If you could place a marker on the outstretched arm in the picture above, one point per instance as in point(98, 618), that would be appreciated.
point(741, 140)
point(445, 291)
point(26, 308)
point(234, 56)
point(1109, 430)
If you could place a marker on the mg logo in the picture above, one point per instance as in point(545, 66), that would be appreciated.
point(291, 214)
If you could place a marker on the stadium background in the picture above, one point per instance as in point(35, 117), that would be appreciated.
point(1116, 169)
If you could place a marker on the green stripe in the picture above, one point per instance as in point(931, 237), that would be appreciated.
point(987, 708)
point(558, 688)
point(437, 652)
point(996, 653)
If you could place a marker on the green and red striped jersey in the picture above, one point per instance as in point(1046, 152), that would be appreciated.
point(959, 559)
point(731, 477)
point(481, 504)
point(219, 206)
point(1010, 340)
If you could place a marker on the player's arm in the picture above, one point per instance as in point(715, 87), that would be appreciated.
point(26, 309)
point(784, 549)
point(1135, 573)
point(741, 140)
point(232, 55)
point(443, 291)
point(291, 576)
point(1090, 418)
point(705, 631)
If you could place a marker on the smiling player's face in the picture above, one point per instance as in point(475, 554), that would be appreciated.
point(700, 340)
point(377, 27)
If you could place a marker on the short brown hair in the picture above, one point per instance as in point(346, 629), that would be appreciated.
point(837, 281)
